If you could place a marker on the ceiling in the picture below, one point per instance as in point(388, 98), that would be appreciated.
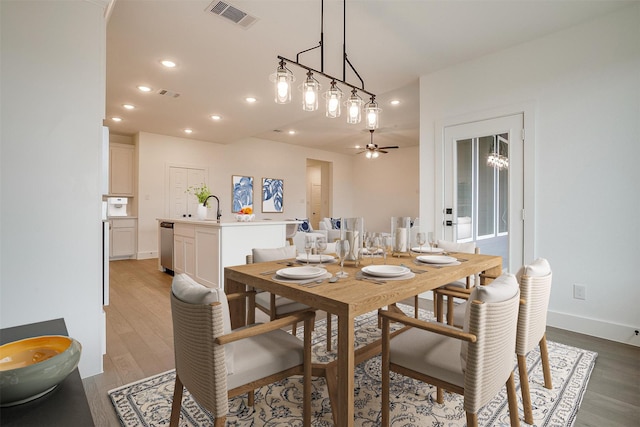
point(391, 43)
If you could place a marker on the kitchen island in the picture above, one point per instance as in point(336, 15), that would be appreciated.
point(202, 248)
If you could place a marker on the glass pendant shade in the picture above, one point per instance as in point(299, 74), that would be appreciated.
point(310, 90)
point(372, 114)
point(283, 79)
point(354, 108)
point(333, 99)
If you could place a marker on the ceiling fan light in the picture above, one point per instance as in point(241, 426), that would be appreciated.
point(310, 90)
point(354, 108)
point(333, 99)
point(375, 155)
point(368, 154)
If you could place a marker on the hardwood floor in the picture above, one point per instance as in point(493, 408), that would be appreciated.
point(140, 344)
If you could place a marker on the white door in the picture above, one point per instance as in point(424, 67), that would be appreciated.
point(182, 204)
point(482, 184)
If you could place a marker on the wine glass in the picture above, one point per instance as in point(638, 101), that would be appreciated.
point(387, 244)
point(321, 245)
point(309, 244)
point(432, 240)
point(371, 244)
point(342, 249)
point(421, 239)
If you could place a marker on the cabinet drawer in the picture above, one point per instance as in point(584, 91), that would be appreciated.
point(123, 223)
point(184, 230)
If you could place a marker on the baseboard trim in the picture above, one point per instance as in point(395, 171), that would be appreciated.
point(583, 325)
point(596, 328)
point(147, 255)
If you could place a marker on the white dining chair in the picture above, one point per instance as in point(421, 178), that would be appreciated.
point(474, 362)
point(215, 363)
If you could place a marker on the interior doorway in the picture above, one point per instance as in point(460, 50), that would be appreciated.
point(482, 181)
point(318, 191)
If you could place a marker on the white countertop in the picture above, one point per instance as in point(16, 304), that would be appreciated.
point(226, 223)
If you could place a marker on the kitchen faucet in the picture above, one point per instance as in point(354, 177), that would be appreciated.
point(218, 213)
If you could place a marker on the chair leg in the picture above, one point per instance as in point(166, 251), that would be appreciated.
point(524, 388)
point(472, 419)
point(251, 398)
point(513, 402)
point(439, 395)
point(306, 385)
point(449, 310)
point(546, 367)
point(438, 304)
point(176, 405)
point(416, 306)
point(220, 422)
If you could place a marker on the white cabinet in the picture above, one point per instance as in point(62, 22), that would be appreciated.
point(196, 252)
point(207, 256)
point(122, 237)
point(121, 169)
point(184, 249)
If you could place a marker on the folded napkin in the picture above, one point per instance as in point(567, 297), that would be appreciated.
point(409, 275)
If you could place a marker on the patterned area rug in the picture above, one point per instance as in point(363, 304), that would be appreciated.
point(148, 402)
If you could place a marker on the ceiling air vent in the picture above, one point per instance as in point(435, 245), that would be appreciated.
point(169, 93)
point(232, 13)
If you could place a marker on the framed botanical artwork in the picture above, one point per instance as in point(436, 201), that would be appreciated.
point(242, 192)
point(272, 195)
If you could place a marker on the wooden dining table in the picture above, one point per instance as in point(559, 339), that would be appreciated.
point(350, 297)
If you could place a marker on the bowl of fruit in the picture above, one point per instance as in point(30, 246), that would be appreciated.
point(245, 214)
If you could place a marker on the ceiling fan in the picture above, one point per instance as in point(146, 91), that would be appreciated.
point(372, 151)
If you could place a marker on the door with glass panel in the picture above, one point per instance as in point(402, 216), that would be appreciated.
point(483, 186)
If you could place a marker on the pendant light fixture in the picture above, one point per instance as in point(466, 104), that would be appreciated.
point(283, 78)
point(354, 108)
point(310, 90)
point(333, 97)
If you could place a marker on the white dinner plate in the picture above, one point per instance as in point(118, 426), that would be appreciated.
point(427, 250)
point(385, 270)
point(315, 258)
point(301, 272)
point(436, 259)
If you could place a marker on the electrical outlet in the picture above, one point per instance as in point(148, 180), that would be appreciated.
point(579, 291)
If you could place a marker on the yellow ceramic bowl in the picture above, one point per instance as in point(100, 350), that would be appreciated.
point(32, 367)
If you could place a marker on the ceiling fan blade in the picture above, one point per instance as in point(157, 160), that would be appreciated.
point(390, 146)
point(359, 152)
point(382, 151)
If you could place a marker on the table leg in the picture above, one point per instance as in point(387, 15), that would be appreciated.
point(346, 370)
point(238, 308)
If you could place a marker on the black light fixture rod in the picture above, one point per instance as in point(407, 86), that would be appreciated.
point(361, 89)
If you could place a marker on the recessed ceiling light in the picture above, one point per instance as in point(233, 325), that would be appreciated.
point(395, 102)
point(167, 63)
point(188, 131)
point(215, 117)
point(357, 146)
point(292, 132)
point(144, 88)
point(128, 106)
point(116, 119)
point(250, 99)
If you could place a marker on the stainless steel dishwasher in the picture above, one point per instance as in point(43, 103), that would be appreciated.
point(166, 246)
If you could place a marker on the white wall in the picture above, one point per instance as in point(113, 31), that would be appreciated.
point(249, 157)
point(387, 186)
point(53, 97)
point(585, 85)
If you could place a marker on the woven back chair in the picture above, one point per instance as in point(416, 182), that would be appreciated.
point(535, 290)
point(475, 362)
point(215, 363)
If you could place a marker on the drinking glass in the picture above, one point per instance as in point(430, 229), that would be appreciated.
point(321, 245)
point(387, 243)
point(421, 239)
point(371, 243)
point(309, 244)
point(342, 249)
point(432, 240)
